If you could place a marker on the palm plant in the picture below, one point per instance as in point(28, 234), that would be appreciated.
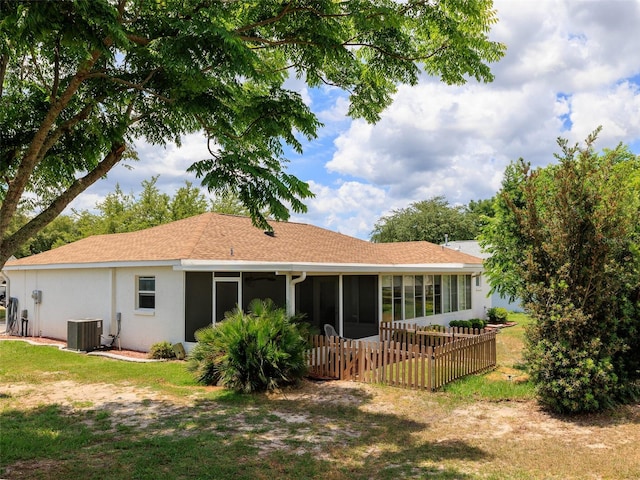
point(263, 349)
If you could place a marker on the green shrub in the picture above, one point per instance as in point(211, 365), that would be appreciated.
point(460, 323)
point(161, 350)
point(570, 379)
point(497, 315)
point(261, 350)
point(473, 323)
point(3, 313)
point(478, 323)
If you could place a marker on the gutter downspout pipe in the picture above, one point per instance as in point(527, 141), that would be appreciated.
point(294, 282)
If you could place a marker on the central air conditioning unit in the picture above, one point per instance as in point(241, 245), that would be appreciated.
point(84, 334)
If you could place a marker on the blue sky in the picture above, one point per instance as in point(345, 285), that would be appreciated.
point(571, 65)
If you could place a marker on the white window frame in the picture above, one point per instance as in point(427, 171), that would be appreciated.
point(148, 293)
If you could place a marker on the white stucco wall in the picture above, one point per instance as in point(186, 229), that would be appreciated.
point(480, 299)
point(140, 328)
point(101, 293)
point(82, 294)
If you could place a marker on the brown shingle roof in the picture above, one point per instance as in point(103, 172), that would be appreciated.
point(212, 237)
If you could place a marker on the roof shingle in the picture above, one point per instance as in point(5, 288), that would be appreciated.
point(218, 237)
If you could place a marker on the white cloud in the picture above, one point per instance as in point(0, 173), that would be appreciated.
point(617, 109)
point(346, 208)
point(567, 71)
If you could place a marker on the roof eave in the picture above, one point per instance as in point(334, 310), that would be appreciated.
point(235, 265)
point(65, 266)
point(244, 265)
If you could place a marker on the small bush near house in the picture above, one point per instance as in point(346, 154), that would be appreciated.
point(261, 350)
point(473, 323)
point(459, 323)
point(478, 323)
point(161, 350)
point(497, 315)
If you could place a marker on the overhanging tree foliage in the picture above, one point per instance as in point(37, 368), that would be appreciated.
point(566, 239)
point(81, 80)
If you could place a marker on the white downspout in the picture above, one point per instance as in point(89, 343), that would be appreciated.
point(292, 285)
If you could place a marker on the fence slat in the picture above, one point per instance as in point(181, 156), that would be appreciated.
point(407, 356)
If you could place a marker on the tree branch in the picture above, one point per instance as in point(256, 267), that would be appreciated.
point(275, 43)
point(293, 41)
point(36, 68)
point(268, 21)
point(4, 61)
point(30, 159)
point(65, 127)
point(135, 86)
point(138, 40)
point(56, 72)
point(286, 11)
point(397, 56)
point(10, 243)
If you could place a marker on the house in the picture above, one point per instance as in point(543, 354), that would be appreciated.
point(166, 282)
point(472, 247)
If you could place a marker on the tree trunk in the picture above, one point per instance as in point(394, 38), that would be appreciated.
point(11, 243)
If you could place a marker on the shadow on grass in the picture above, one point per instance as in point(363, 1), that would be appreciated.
point(301, 435)
point(618, 415)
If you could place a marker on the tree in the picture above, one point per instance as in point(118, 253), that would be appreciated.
point(566, 239)
point(432, 220)
point(81, 80)
point(481, 211)
point(116, 213)
point(152, 207)
point(187, 202)
point(60, 231)
point(228, 203)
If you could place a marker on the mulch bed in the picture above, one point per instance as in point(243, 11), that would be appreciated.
point(500, 325)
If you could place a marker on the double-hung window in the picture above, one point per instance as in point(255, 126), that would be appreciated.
point(146, 297)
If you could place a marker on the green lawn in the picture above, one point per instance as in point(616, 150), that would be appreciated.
point(68, 415)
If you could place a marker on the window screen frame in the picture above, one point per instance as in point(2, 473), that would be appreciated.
point(145, 293)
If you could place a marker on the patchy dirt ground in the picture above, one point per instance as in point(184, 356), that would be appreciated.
point(326, 418)
point(506, 421)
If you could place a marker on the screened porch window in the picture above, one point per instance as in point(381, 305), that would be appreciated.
point(405, 297)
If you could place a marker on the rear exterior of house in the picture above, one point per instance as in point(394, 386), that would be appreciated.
point(168, 281)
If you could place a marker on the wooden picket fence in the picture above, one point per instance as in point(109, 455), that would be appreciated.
point(410, 364)
point(427, 335)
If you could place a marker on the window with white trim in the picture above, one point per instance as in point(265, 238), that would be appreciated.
point(146, 293)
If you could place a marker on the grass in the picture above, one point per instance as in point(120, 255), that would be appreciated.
point(67, 415)
point(509, 381)
point(39, 360)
